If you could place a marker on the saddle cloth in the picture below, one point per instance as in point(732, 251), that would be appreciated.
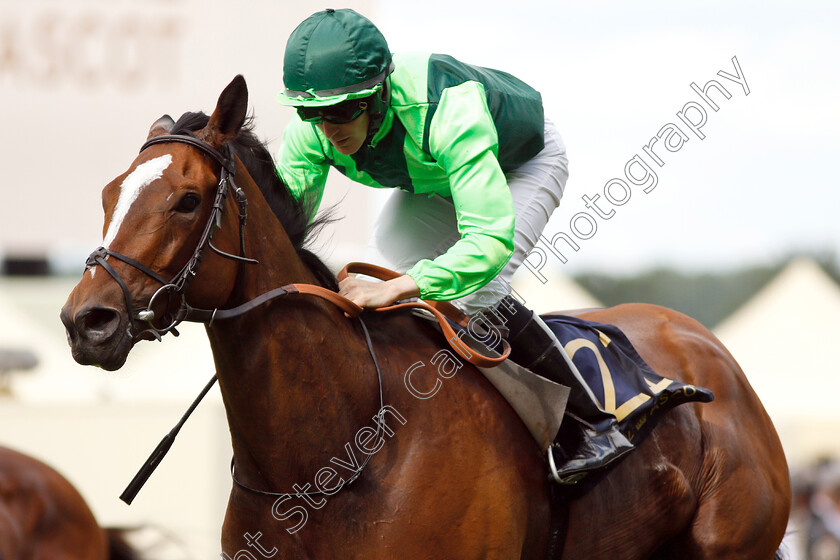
point(621, 380)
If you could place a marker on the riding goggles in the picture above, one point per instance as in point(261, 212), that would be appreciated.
point(343, 113)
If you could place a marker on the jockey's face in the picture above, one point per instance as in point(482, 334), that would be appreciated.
point(346, 138)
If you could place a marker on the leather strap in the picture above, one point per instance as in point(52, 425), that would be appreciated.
point(450, 311)
point(350, 308)
point(440, 309)
point(196, 315)
point(189, 138)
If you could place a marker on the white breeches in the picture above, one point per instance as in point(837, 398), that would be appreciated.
point(413, 227)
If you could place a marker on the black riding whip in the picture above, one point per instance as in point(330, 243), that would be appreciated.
point(161, 450)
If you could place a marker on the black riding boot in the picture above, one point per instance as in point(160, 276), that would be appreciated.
point(535, 347)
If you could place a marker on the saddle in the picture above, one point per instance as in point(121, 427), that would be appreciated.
point(623, 382)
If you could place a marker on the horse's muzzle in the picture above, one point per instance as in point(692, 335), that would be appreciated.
point(97, 336)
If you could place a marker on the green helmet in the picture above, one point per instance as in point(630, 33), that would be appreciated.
point(333, 56)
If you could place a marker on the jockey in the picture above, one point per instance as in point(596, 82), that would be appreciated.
point(478, 169)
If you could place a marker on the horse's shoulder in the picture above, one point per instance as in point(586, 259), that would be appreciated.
point(402, 327)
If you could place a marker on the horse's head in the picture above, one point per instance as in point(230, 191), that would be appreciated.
point(159, 217)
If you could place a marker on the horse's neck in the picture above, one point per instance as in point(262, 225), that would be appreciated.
point(295, 375)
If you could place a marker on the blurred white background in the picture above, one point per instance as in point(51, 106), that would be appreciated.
point(81, 81)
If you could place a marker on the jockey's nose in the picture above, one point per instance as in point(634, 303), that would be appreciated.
point(330, 129)
point(92, 325)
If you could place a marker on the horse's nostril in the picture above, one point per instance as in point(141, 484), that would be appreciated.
point(69, 326)
point(99, 322)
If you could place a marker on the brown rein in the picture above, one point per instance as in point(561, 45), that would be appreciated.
point(439, 309)
point(442, 310)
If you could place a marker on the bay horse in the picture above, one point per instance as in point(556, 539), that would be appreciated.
point(43, 516)
point(361, 439)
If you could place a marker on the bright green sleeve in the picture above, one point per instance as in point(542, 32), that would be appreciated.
point(301, 162)
point(464, 141)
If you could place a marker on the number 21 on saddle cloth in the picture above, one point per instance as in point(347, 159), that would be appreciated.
point(623, 382)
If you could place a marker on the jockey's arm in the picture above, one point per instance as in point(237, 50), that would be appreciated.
point(302, 164)
point(464, 141)
point(484, 209)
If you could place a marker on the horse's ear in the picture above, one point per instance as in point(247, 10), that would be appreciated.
point(230, 113)
point(161, 126)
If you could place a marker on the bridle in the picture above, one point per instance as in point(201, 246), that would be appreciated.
point(179, 283)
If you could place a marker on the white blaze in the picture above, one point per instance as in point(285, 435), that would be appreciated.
point(130, 189)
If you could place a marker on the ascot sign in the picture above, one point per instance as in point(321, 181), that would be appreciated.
point(126, 46)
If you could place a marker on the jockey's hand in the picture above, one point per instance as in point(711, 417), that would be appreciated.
point(378, 294)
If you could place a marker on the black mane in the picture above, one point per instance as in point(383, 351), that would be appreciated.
point(292, 213)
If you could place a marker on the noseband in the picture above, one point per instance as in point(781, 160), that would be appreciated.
point(179, 283)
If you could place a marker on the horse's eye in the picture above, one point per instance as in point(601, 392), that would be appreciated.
point(188, 203)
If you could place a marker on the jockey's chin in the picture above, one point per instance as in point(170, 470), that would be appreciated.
point(347, 138)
